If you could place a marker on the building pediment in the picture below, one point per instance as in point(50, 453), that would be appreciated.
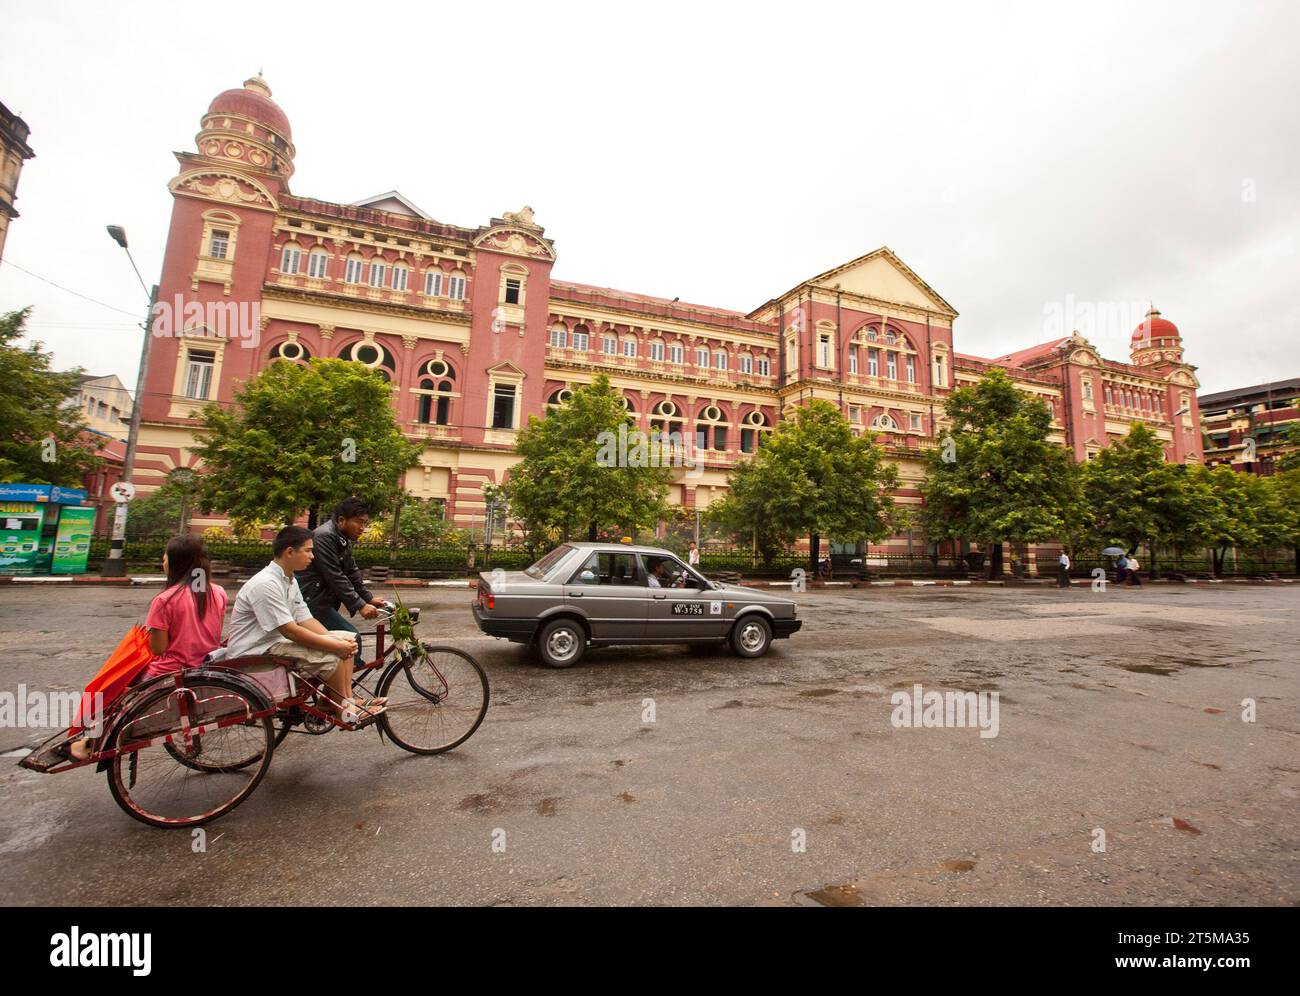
point(882, 276)
point(224, 188)
point(506, 367)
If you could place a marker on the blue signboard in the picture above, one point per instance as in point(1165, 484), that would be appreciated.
point(51, 493)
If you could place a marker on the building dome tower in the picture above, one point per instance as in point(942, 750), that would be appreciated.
point(1156, 340)
point(244, 127)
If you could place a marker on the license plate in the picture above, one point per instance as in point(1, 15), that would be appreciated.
point(688, 609)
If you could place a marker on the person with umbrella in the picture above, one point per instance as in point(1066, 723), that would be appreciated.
point(1120, 564)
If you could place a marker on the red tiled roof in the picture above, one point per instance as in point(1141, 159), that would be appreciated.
point(644, 298)
point(1024, 357)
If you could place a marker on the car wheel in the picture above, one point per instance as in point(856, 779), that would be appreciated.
point(751, 636)
point(562, 643)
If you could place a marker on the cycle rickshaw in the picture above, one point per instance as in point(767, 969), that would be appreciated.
point(185, 748)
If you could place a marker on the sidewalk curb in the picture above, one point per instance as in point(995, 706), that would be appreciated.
point(138, 581)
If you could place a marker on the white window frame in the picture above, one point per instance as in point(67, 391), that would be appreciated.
point(911, 368)
point(456, 287)
point(873, 362)
point(656, 351)
point(377, 274)
point(399, 284)
point(720, 359)
point(354, 271)
point(609, 345)
point(765, 366)
point(629, 348)
point(290, 259)
point(746, 363)
point(318, 264)
point(433, 283)
point(557, 337)
point(581, 341)
point(220, 238)
point(203, 369)
point(677, 353)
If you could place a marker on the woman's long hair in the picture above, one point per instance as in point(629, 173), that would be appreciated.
point(188, 567)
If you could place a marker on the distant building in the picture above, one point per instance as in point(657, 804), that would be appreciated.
point(1243, 427)
point(105, 405)
point(14, 150)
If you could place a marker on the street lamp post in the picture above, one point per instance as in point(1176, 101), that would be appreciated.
point(115, 565)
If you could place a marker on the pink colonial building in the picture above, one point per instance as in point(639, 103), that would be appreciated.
point(475, 335)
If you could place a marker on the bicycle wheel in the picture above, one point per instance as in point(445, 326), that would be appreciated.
point(436, 700)
point(167, 783)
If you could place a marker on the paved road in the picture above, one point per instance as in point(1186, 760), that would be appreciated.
point(1118, 712)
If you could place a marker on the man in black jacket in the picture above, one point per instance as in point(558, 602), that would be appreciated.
point(333, 578)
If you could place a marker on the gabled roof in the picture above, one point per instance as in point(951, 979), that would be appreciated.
point(400, 205)
point(826, 279)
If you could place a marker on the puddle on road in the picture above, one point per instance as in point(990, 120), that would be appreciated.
point(831, 895)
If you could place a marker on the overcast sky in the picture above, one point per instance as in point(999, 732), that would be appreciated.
point(1031, 165)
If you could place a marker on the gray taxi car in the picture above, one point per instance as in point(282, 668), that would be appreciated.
point(583, 594)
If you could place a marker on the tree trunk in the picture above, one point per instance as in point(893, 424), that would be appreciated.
point(814, 549)
point(591, 532)
point(995, 560)
point(311, 518)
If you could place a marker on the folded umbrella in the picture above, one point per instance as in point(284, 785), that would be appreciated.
point(129, 659)
point(1112, 551)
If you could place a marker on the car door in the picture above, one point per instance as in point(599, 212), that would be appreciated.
point(692, 611)
point(607, 590)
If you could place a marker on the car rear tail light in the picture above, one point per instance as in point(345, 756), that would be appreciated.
point(486, 599)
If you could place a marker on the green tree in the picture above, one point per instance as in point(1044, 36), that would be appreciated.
point(1136, 497)
point(299, 438)
point(1235, 518)
point(41, 439)
point(574, 481)
point(996, 477)
point(1286, 494)
point(812, 477)
point(744, 514)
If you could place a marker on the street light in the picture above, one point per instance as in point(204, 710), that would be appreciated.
point(115, 566)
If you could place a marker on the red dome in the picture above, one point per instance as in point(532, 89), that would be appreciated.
point(1155, 327)
point(253, 101)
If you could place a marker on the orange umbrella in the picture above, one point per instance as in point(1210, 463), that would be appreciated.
point(123, 664)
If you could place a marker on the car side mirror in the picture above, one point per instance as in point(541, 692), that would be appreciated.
point(587, 577)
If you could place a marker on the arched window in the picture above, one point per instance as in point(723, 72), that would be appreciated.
point(400, 274)
point(378, 271)
point(372, 355)
point(434, 282)
point(751, 431)
point(709, 429)
point(291, 350)
point(354, 269)
point(318, 263)
point(291, 258)
point(559, 397)
point(885, 422)
point(665, 419)
point(435, 397)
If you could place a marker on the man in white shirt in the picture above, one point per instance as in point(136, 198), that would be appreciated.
point(270, 617)
point(1063, 571)
point(694, 558)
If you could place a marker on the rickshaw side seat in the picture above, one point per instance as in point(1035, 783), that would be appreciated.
point(270, 671)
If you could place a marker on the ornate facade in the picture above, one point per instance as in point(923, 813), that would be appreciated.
point(475, 335)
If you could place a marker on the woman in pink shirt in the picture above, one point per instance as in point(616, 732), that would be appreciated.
point(184, 621)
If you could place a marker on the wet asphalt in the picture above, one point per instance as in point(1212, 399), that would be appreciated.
point(1122, 772)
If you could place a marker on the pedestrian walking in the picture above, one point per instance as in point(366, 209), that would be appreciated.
point(1063, 571)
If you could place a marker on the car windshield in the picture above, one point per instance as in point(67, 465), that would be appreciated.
point(545, 568)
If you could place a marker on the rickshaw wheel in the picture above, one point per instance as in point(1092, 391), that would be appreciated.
point(161, 784)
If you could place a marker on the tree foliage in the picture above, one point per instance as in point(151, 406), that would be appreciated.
point(811, 477)
point(41, 433)
point(565, 487)
point(299, 438)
